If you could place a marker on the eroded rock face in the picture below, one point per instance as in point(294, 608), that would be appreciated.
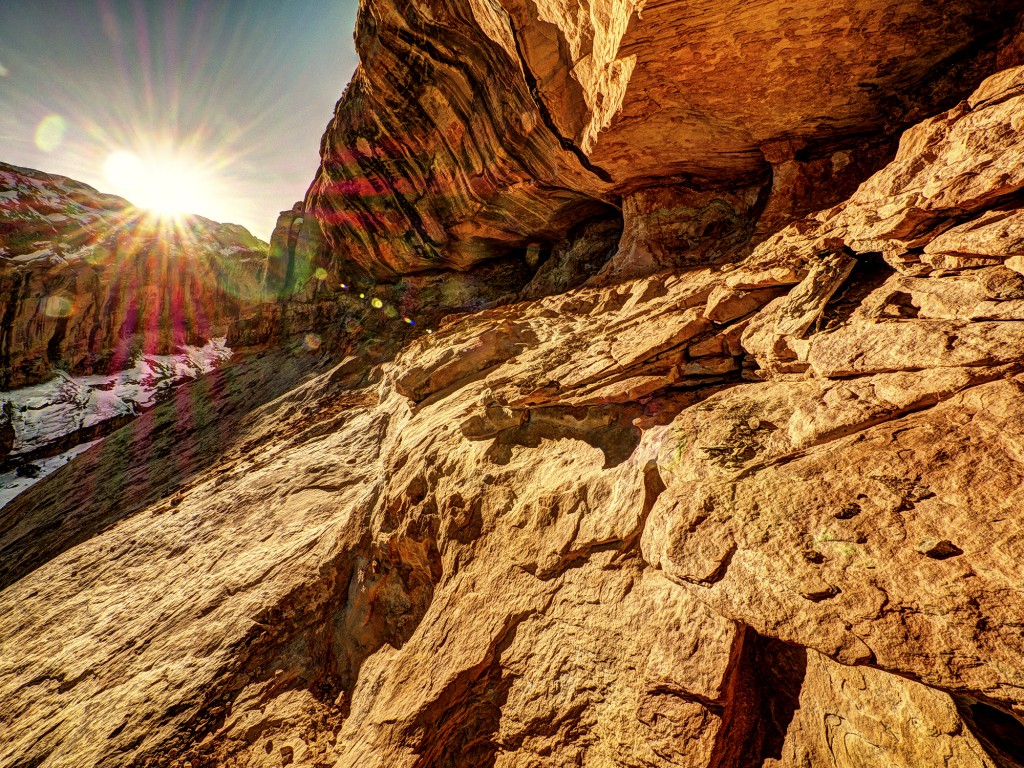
point(753, 512)
point(475, 128)
point(88, 282)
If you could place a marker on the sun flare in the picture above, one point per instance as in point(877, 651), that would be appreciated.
point(169, 186)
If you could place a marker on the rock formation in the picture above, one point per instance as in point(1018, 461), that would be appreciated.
point(676, 485)
point(501, 124)
point(88, 282)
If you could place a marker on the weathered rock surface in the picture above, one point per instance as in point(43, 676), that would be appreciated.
point(751, 511)
point(88, 282)
point(475, 128)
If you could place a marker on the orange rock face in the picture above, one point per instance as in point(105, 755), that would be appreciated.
point(500, 123)
point(697, 491)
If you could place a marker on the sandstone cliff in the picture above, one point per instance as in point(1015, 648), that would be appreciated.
point(88, 281)
point(474, 129)
point(759, 508)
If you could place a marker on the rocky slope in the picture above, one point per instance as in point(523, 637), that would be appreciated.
point(88, 281)
point(758, 509)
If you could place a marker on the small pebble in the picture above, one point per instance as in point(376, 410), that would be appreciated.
point(938, 549)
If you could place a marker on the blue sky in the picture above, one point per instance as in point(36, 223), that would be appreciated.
point(245, 87)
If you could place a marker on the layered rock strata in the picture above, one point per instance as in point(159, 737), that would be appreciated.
point(752, 514)
point(474, 129)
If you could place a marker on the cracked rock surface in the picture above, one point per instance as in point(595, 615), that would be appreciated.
point(476, 128)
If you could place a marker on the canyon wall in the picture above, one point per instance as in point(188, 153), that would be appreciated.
point(717, 459)
point(89, 282)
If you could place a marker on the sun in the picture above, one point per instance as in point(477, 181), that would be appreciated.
point(167, 185)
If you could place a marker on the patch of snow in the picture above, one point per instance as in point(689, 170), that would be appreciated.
point(65, 404)
point(80, 252)
point(26, 257)
point(11, 484)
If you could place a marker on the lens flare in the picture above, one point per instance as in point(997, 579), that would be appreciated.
point(50, 132)
point(58, 306)
point(122, 167)
point(4, 71)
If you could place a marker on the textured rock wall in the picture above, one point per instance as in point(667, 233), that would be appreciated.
point(433, 165)
point(754, 514)
point(87, 281)
point(477, 127)
point(760, 507)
